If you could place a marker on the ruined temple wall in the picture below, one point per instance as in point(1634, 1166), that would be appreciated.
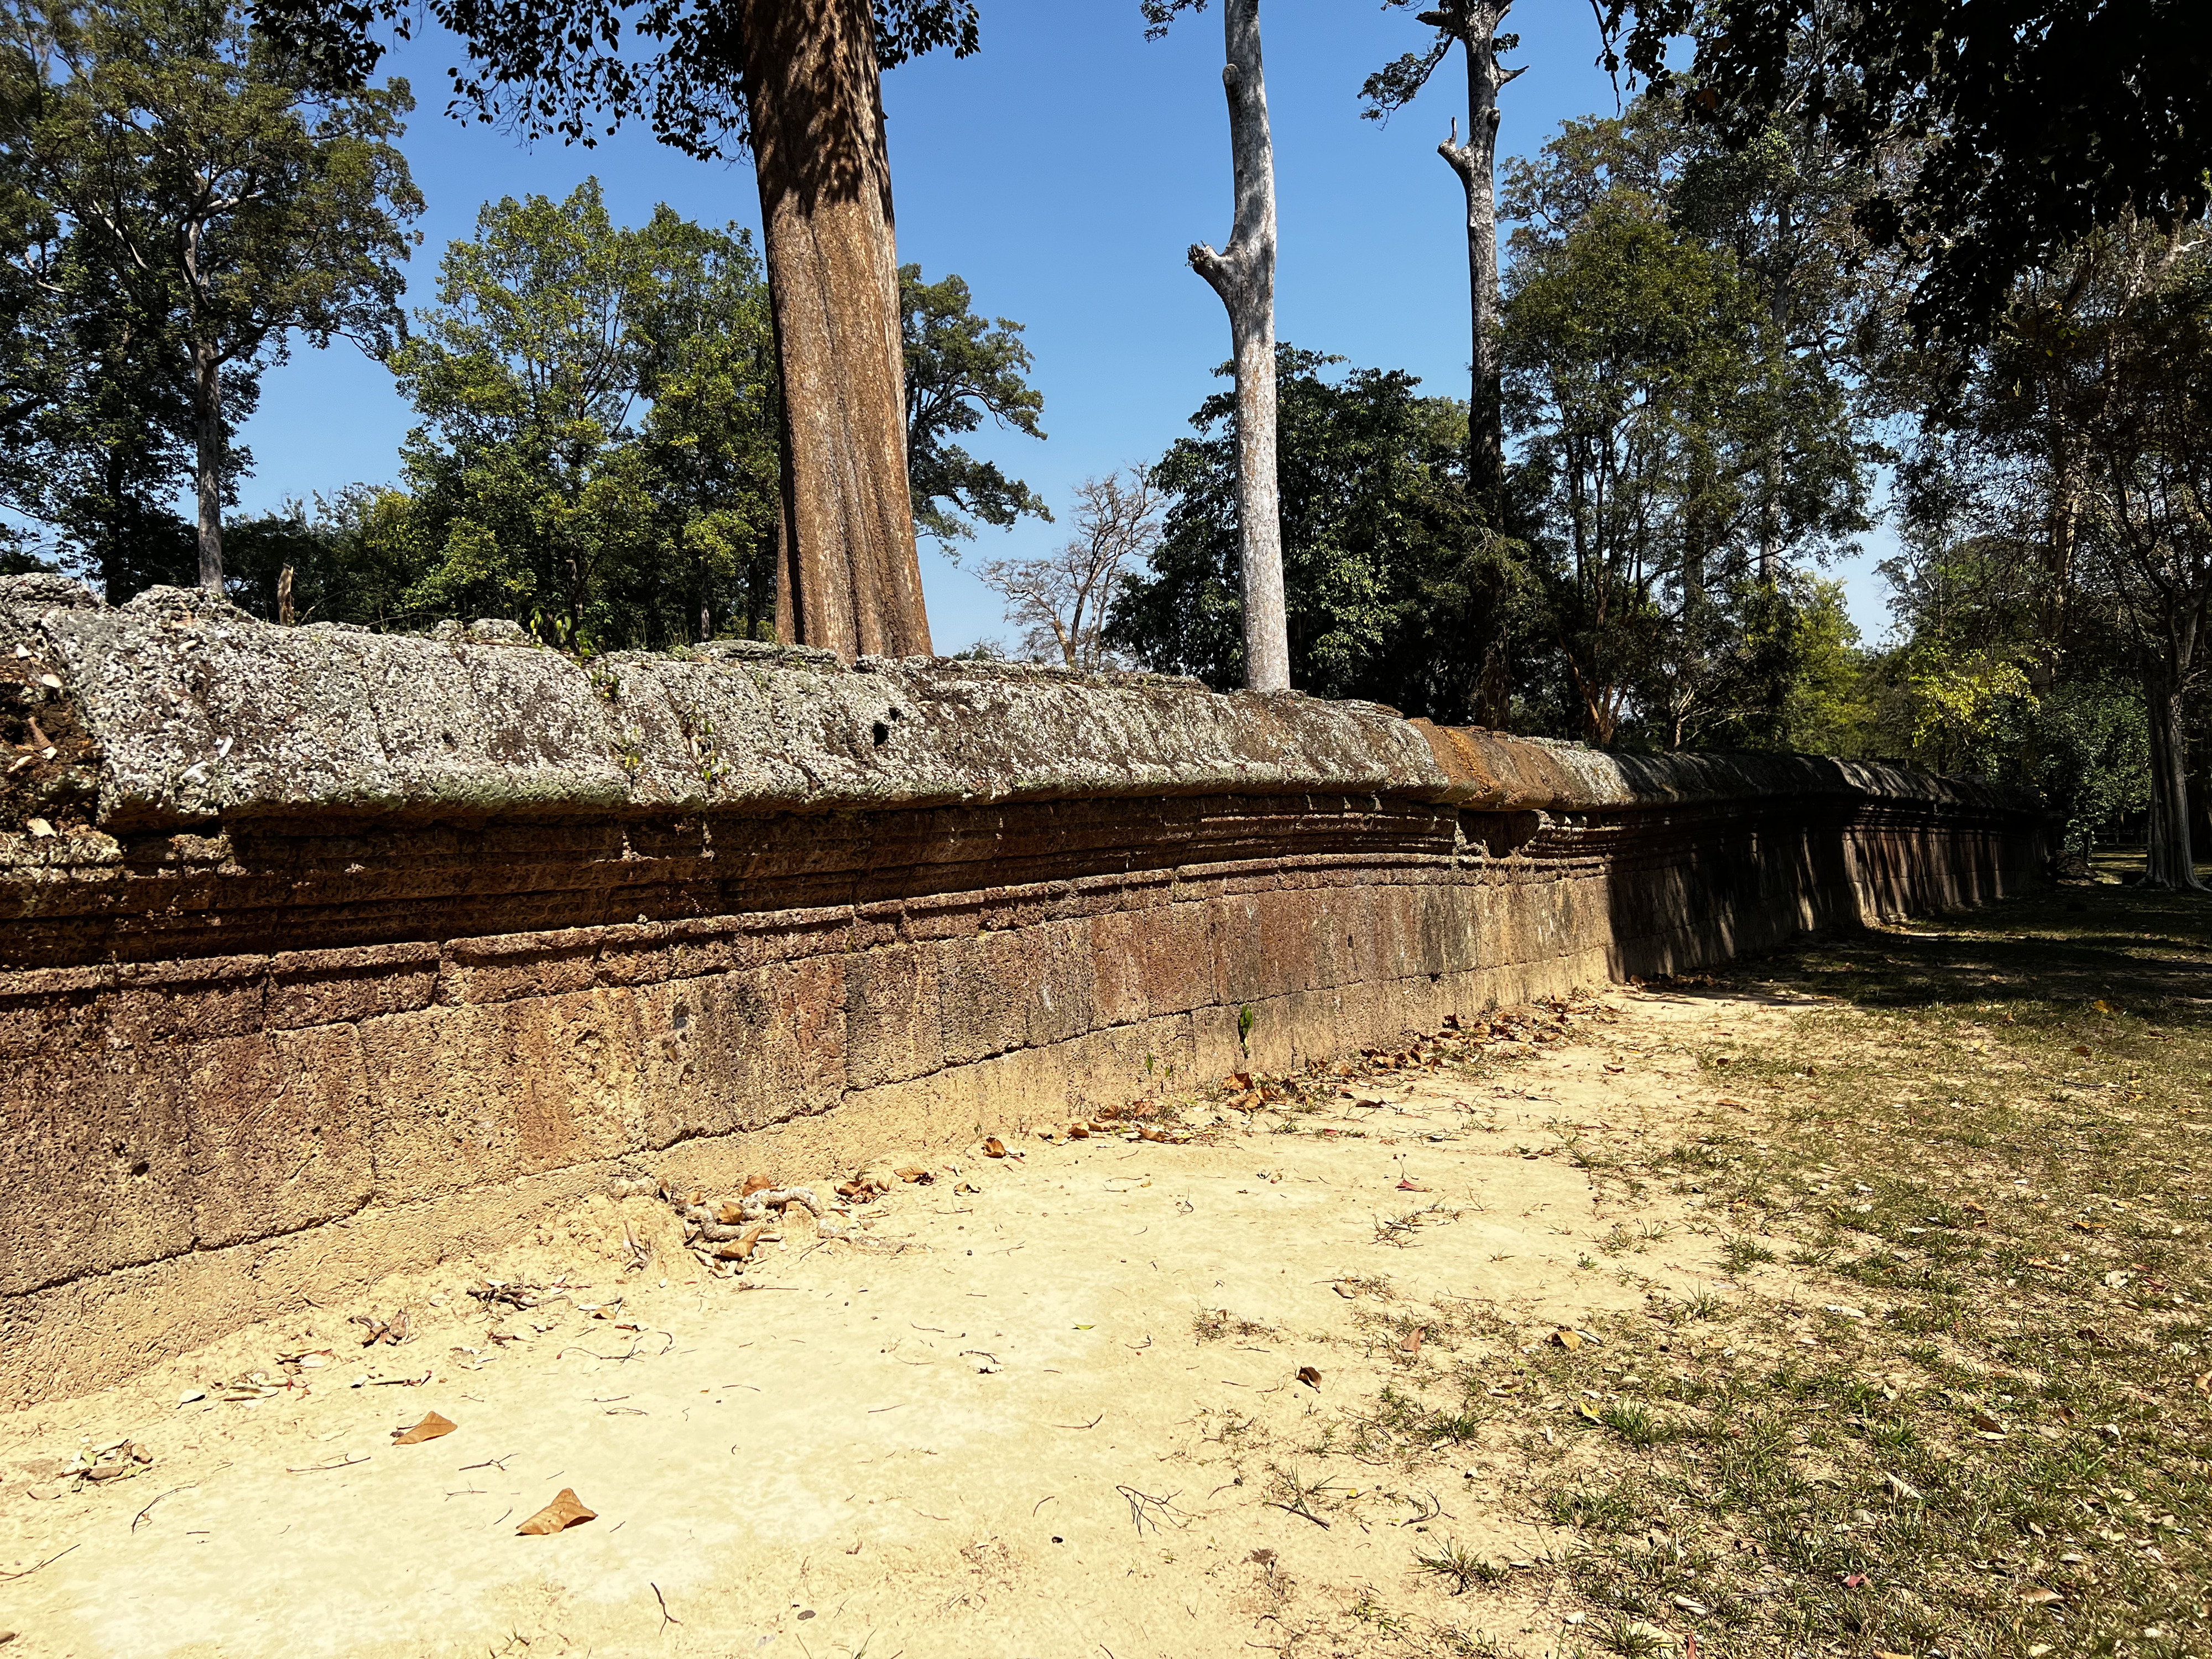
point(272, 1025)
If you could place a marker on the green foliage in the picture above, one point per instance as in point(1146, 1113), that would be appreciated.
point(342, 550)
point(2082, 741)
point(2031, 124)
point(598, 453)
point(1788, 672)
point(181, 203)
point(1680, 438)
point(2056, 580)
point(1395, 590)
point(575, 72)
point(960, 368)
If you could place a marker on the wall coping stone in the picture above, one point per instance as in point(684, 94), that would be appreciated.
point(201, 714)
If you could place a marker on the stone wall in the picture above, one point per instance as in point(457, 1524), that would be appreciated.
point(324, 953)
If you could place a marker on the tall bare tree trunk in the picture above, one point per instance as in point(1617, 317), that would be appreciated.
point(1778, 317)
point(206, 470)
point(848, 576)
point(1476, 23)
point(2169, 860)
point(1244, 277)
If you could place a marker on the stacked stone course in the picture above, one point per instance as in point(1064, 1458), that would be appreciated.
point(323, 952)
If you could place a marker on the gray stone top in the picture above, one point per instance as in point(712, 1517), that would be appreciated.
point(195, 712)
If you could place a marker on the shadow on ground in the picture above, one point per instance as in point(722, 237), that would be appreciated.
point(2076, 942)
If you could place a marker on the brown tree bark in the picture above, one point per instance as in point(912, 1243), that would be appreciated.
point(848, 576)
point(207, 469)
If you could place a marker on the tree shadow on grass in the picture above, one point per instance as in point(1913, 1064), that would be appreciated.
point(2139, 951)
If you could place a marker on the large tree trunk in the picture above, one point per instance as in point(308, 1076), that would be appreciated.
point(1476, 163)
point(848, 576)
point(207, 434)
point(1244, 277)
point(2169, 860)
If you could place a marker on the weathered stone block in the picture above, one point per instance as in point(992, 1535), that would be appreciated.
point(279, 1131)
point(1022, 989)
point(364, 936)
point(199, 997)
point(894, 1019)
point(518, 965)
point(325, 987)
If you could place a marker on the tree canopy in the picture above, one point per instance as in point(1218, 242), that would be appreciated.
point(200, 203)
point(1997, 133)
point(579, 72)
point(596, 455)
point(1394, 593)
point(961, 370)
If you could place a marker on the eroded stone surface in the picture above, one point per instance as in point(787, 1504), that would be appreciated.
point(345, 949)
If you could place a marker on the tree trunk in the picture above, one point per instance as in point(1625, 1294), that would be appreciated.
point(1244, 277)
point(2169, 860)
point(847, 575)
point(207, 433)
point(111, 525)
point(1476, 163)
point(1778, 317)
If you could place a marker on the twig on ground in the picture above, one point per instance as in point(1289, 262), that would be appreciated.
point(27, 1571)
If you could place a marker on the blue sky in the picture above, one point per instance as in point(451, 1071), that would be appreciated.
point(1062, 171)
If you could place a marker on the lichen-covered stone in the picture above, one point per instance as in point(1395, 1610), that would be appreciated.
point(201, 713)
point(337, 951)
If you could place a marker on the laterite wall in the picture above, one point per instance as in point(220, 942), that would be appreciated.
point(324, 953)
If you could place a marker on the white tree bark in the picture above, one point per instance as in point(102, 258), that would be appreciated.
point(2169, 861)
point(1243, 275)
point(1474, 23)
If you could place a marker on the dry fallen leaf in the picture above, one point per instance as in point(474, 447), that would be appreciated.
point(1309, 1376)
point(430, 1428)
point(2036, 1596)
point(755, 1183)
point(1564, 1338)
point(566, 1511)
point(741, 1247)
point(1411, 1344)
point(1407, 1184)
point(995, 1147)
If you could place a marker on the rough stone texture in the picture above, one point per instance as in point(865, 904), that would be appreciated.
point(346, 950)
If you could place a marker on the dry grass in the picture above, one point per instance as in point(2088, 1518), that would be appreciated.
point(1950, 1394)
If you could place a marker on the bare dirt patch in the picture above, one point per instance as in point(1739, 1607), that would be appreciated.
point(1732, 1311)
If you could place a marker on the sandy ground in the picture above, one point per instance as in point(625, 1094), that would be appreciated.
point(1005, 1421)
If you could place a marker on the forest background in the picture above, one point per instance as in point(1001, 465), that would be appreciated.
point(1715, 409)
